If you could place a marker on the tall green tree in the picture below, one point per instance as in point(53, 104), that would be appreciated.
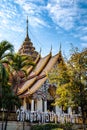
point(18, 68)
point(78, 82)
point(72, 82)
point(8, 102)
point(5, 50)
point(59, 75)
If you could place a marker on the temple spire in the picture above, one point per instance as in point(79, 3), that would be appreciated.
point(40, 50)
point(51, 49)
point(60, 48)
point(27, 28)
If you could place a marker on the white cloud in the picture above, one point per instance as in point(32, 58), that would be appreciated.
point(84, 38)
point(34, 11)
point(20, 2)
point(84, 45)
point(62, 13)
point(16, 29)
point(0, 35)
point(84, 29)
point(37, 22)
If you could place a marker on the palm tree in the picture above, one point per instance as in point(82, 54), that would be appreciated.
point(5, 50)
point(9, 101)
point(18, 68)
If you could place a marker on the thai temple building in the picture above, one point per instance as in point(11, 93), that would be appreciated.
point(35, 92)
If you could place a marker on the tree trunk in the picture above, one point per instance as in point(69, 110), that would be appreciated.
point(6, 120)
point(84, 124)
point(83, 118)
point(3, 119)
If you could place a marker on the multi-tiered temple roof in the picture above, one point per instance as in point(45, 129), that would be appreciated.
point(27, 46)
point(38, 75)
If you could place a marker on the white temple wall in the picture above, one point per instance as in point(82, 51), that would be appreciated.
point(58, 110)
point(45, 106)
point(32, 105)
point(39, 105)
point(70, 111)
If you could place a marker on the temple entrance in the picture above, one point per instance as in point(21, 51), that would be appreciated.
point(28, 106)
point(50, 107)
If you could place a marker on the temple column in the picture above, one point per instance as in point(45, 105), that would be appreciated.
point(70, 111)
point(39, 105)
point(24, 103)
point(32, 105)
point(45, 106)
point(58, 110)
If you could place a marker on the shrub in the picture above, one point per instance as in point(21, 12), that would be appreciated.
point(52, 126)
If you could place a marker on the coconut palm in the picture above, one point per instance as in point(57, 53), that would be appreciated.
point(19, 64)
point(5, 50)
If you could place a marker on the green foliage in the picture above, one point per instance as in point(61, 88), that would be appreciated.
point(18, 65)
point(3, 74)
point(62, 79)
point(52, 126)
point(71, 80)
point(9, 99)
point(57, 129)
point(6, 49)
point(20, 62)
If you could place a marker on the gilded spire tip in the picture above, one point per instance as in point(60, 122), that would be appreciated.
point(27, 27)
point(60, 48)
point(51, 49)
point(40, 50)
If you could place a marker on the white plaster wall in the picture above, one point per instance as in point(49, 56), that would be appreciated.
point(58, 110)
point(39, 105)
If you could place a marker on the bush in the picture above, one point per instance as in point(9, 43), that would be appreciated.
point(67, 126)
point(52, 126)
point(44, 126)
point(57, 129)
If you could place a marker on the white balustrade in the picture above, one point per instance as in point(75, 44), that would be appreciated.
point(42, 117)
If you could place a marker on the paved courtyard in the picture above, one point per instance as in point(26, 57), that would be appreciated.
point(16, 126)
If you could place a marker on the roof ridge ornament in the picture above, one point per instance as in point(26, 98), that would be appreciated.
point(27, 34)
point(60, 48)
point(40, 51)
point(51, 49)
point(27, 27)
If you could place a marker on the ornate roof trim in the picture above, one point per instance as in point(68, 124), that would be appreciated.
point(41, 78)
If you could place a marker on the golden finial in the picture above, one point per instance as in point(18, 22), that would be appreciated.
point(27, 27)
point(40, 50)
point(51, 49)
point(60, 48)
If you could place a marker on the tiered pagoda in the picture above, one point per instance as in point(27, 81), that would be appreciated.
point(27, 46)
point(35, 92)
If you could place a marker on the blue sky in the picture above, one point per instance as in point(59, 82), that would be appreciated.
point(51, 22)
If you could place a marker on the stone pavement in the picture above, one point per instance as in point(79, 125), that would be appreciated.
point(14, 125)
